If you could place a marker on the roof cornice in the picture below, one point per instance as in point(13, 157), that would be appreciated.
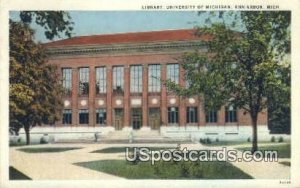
point(124, 48)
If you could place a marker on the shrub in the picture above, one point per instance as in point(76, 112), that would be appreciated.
point(44, 139)
point(280, 139)
point(201, 141)
point(217, 139)
point(273, 139)
point(248, 139)
point(208, 141)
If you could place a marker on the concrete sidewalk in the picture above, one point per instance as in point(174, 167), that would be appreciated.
point(60, 165)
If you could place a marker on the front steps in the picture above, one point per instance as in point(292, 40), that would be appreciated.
point(138, 136)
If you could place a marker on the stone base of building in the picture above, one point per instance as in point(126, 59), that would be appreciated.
point(191, 133)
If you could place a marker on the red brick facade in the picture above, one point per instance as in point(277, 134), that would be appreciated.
point(125, 50)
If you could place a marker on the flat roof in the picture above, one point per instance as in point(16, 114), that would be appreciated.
point(132, 37)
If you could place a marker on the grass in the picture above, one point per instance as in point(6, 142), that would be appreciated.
point(233, 143)
point(15, 174)
point(167, 170)
point(284, 150)
point(285, 163)
point(47, 149)
point(122, 149)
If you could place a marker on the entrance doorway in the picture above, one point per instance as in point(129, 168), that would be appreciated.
point(118, 118)
point(154, 118)
point(136, 118)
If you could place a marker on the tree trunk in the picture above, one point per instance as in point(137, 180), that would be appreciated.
point(27, 129)
point(254, 133)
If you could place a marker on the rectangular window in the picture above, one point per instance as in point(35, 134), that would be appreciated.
point(83, 116)
point(83, 81)
point(100, 80)
point(192, 114)
point(136, 79)
point(67, 80)
point(118, 79)
point(173, 72)
point(211, 116)
point(101, 116)
point(173, 115)
point(67, 116)
point(230, 114)
point(154, 78)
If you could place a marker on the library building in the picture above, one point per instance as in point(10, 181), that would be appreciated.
point(112, 82)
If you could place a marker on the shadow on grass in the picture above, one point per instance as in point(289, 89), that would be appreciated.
point(47, 149)
point(15, 174)
point(123, 150)
point(167, 170)
point(283, 151)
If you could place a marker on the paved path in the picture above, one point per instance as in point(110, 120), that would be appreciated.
point(58, 166)
point(258, 170)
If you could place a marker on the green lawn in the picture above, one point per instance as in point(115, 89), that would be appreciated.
point(167, 170)
point(47, 149)
point(285, 163)
point(122, 149)
point(14, 174)
point(232, 143)
point(284, 150)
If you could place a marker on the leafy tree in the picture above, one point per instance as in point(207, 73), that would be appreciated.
point(35, 91)
point(244, 63)
point(55, 23)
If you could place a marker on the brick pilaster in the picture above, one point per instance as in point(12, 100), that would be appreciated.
point(163, 99)
point(75, 96)
point(221, 116)
point(182, 107)
point(126, 95)
point(109, 109)
point(145, 96)
point(201, 112)
point(91, 99)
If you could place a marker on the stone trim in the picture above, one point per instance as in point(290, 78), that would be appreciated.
point(124, 48)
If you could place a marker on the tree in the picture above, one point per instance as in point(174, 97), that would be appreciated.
point(35, 91)
point(244, 63)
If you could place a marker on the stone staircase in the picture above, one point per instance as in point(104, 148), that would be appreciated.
point(139, 136)
point(122, 136)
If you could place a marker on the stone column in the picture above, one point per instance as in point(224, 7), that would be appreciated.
point(109, 109)
point(145, 95)
point(91, 97)
point(163, 109)
point(75, 96)
point(126, 99)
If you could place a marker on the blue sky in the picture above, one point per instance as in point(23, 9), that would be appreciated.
point(100, 22)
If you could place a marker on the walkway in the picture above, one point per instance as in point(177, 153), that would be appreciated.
point(59, 166)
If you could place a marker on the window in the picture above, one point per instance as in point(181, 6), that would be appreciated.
point(67, 117)
point(211, 116)
point(101, 116)
point(136, 79)
point(173, 72)
point(173, 114)
point(67, 80)
point(83, 116)
point(118, 79)
point(100, 80)
point(192, 115)
point(154, 78)
point(230, 114)
point(83, 81)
